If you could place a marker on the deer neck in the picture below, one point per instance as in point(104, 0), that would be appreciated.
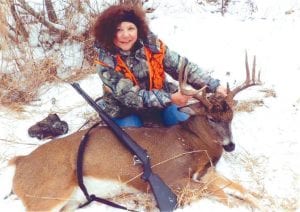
point(198, 125)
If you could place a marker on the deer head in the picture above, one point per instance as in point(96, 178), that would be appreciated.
point(217, 109)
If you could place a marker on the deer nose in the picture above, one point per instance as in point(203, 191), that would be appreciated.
point(229, 147)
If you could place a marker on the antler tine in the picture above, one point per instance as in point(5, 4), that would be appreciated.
point(183, 85)
point(258, 82)
point(227, 88)
point(253, 67)
point(199, 94)
point(248, 82)
point(203, 98)
point(247, 68)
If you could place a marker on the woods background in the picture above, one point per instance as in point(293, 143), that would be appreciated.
point(49, 40)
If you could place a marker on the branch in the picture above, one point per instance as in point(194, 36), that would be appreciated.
point(50, 11)
point(42, 19)
point(20, 29)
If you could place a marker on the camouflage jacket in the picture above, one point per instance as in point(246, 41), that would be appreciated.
point(126, 97)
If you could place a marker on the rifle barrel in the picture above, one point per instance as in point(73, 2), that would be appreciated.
point(165, 198)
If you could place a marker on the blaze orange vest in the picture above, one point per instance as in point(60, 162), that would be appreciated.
point(155, 65)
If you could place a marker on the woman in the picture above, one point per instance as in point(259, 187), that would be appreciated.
point(132, 63)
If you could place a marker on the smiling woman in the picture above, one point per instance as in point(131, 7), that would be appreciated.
point(132, 63)
point(126, 35)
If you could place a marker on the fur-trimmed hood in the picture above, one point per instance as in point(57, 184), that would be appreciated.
point(152, 42)
point(106, 24)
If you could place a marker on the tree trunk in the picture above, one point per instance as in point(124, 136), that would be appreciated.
point(50, 11)
point(20, 29)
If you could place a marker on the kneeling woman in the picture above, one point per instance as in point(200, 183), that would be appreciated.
point(132, 63)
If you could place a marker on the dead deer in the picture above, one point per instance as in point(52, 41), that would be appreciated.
point(185, 154)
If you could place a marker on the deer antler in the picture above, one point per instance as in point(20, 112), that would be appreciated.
point(248, 82)
point(186, 89)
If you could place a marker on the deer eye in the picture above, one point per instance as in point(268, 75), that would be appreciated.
point(211, 120)
point(225, 106)
point(216, 108)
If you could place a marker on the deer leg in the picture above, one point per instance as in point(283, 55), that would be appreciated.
point(47, 194)
point(212, 189)
point(216, 184)
point(48, 203)
point(186, 190)
point(203, 168)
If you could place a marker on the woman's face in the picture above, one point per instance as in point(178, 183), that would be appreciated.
point(126, 35)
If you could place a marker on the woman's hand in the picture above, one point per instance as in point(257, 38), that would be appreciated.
point(179, 99)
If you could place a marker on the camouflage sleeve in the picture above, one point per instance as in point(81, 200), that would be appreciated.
point(197, 77)
point(132, 96)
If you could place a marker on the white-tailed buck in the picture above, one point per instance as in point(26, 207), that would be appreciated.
point(185, 154)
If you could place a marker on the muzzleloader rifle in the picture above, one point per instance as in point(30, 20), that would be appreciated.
point(165, 198)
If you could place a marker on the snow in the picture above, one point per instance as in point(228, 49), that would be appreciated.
point(267, 139)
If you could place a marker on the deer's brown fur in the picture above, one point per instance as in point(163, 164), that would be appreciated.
point(48, 175)
point(46, 178)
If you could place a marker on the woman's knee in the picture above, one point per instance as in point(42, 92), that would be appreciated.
point(129, 121)
point(172, 116)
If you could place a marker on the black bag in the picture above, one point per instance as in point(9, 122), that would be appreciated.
point(49, 127)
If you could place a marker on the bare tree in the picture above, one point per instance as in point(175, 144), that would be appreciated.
point(40, 17)
point(50, 11)
point(20, 29)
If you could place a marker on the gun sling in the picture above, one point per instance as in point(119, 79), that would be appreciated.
point(165, 198)
point(92, 197)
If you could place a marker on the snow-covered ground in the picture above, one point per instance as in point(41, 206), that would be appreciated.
point(268, 139)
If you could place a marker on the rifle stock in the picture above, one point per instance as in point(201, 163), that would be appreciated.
point(165, 198)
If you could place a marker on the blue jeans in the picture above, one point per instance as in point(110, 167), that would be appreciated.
point(170, 116)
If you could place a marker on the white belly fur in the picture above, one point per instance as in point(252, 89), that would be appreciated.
point(101, 188)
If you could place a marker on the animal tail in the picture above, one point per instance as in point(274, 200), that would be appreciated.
point(6, 177)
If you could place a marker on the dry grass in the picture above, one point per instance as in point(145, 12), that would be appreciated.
point(21, 73)
point(269, 92)
point(20, 88)
point(255, 168)
point(251, 104)
point(137, 201)
point(188, 195)
point(248, 105)
point(21, 83)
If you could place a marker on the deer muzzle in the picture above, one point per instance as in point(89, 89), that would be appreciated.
point(229, 147)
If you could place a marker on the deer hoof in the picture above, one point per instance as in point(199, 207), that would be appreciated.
point(196, 177)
